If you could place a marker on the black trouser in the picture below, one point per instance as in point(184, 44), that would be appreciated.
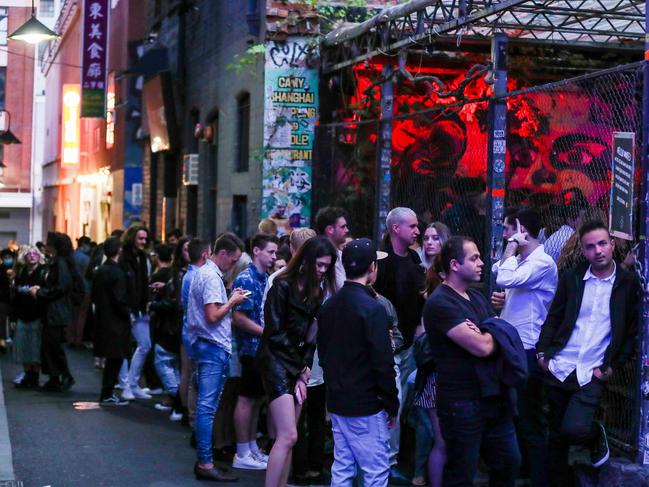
point(531, 424)
point(308, 453)
point(475, 428)
point(110, 377)
point(54, 361)
point(572, 421)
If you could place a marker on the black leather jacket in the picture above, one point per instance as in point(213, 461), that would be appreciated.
point(289, 332)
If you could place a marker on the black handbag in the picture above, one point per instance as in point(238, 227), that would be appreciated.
point(422, 352)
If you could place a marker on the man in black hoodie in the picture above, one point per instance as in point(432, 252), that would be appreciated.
point(356, 356)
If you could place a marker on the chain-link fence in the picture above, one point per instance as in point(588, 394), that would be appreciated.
point(346, 173)
point(559, 153)
point(559, 157)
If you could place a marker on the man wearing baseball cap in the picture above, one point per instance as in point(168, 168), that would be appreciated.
point(356, 355)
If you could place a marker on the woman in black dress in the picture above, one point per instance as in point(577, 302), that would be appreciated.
point(288, 344)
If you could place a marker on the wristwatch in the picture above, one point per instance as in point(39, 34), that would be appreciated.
point(540, 355)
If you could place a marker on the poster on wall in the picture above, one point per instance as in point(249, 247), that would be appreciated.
point(94, 56)
point(622, 171)
point(290, 114)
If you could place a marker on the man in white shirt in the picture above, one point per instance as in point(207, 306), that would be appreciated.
point(529, 277)
point(209, 319)
point(588, 335)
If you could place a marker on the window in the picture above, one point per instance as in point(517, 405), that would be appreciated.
point(3, 26)
point(239, 215)
point(243, 132)
point(209, 208)
point(3, 86)
point(46, 8)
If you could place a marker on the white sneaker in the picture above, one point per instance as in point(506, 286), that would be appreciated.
point(140, 394)
point(260, 455)
point(175, 416)
point(249, 462)
point(152, 392)
point(127, 394)
point(131, 394)
point(162, 407)
point(18, 379)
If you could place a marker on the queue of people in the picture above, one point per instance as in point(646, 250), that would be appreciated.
point(320, 329)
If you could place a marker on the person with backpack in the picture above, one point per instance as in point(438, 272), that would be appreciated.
point(62, 290)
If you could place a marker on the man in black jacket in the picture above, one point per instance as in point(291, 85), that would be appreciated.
point(356, 356)
point(588, 335)
point(113, 319)
point(401, 280)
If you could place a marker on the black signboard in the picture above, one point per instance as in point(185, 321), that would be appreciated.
point(621, 214)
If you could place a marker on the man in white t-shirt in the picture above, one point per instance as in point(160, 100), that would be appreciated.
point(209, 318)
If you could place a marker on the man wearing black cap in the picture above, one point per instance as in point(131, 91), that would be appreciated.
point(356, 356)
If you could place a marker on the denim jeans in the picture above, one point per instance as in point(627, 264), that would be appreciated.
point(142, 334)
point(167, 365)
point(404, 365)
point(362, 441)
point(424, 437)
point(123, 375)
point(213, 365)
point(474, 427)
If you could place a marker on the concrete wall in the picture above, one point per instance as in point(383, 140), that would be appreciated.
point(215, 33)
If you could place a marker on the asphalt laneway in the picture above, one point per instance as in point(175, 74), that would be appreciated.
point(56, 445)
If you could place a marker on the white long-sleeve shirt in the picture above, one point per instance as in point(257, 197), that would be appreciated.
point(587, 345)
point(529, 284)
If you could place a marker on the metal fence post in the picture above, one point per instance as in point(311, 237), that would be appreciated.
point(384, 159)
point(643, 393)
point(497, 148)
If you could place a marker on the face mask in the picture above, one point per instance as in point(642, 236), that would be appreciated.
point(8, 262)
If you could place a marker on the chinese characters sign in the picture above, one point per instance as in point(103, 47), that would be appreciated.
point(70, 133)
point(93, 75)
point(291, 92)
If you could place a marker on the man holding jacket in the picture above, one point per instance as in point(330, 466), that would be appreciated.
point(588, 335)
point(356, 356)
point(476, 418)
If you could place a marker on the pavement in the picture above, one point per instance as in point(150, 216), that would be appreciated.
point(64, 440)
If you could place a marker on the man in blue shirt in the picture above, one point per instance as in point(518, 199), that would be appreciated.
point(247, 332)
point(199, 252)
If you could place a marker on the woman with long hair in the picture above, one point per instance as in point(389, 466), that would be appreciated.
point(431, 243)
point(288, 344)
point(57, 295)
point(28, 311)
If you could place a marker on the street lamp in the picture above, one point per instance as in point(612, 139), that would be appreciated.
point(33, 31)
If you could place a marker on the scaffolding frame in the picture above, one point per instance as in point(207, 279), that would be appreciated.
point(574, 23)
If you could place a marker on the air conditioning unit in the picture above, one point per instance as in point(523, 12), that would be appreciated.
point(190, 169)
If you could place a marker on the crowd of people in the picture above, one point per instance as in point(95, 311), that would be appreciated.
point(274, 345)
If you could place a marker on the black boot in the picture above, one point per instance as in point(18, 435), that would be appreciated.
point(52, 385)
point(29, 381)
